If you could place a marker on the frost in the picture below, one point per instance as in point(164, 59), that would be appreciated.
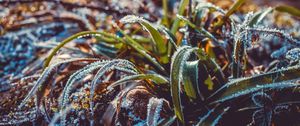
point(293, 54)
point(18, 117)
point(105, 68)
point(43, 77)
point(204, 5)
point(64, 98)
point(275, 32)
point(132, 19)
point(216, 121)
point(262, 117)
point(280, 52)
point(89, 35)
point(202, 119)
point(272, 86)
point(260, 99)
point(154, 108)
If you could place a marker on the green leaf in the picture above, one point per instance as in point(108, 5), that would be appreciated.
point(156, 78)
point(201, 30)
point(258, 17)
point(76, 36)
point(235, 6)
point(171, 40)
point(165, 20)
point(242, 86)
point(140, 49)
point(212, 67)
point(190, 78)
point(179, 60)
point(155, 35)
point(288, 9)
point(206, 5)
point(182, 7)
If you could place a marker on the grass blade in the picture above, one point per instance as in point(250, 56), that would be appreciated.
point(75, 36)
point(288, 9)
point(190, 79)
point(155, 35)
point(206, 5)
point(201, 30)
point(39, 85)
point(177, 66)
point(156, 78)
point(212, 117)
point(140, 49)
point(165, 20)
point(182, 7)
point(258, 17)
point(250, 83)
point(235, 6)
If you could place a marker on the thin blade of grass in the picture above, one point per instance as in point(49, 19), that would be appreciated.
point(258, 17)
point(183, 4)
point(69, 39)
point(140, 49)
point(156, 78)
point(243, 84)
point(155, 35)
point(288, 9)
point(177, 66)
point(201, 30)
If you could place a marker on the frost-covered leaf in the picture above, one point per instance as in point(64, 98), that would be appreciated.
point(259, 16)
point(190, 79)
point(109, 66)
point(261, 99)
point(154, 108)
point(182, 7)
point(271, 31)
point(158, 40)
point(212, 117)
point(41, 81)
point(103, 67)
point(75, 36)
point(156, 78)
point(140, 49)
point(280, 52)
point(262, 117)
point(243, 86)
point(177, 65)
point(171, 39)
point(207, 5)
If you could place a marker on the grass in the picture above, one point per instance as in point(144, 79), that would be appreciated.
point(193, 66)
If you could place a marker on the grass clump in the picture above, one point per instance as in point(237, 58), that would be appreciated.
point(200, 65)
